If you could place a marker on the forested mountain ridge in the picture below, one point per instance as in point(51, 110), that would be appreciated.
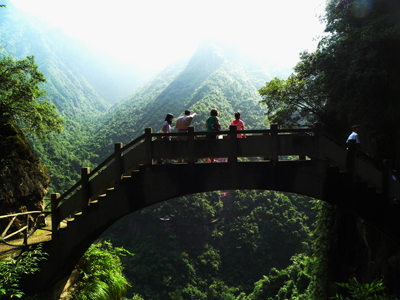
point(81, 82)
point(87, 72)
point(210, 79)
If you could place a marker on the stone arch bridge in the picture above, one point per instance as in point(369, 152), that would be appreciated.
point(302, 161)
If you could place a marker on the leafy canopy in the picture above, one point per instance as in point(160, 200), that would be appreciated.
point(351, 77)
point(19, 97)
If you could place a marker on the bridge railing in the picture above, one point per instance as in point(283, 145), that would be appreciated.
point(360, 165)
point(26, 230)
point(266, 145)
point(150, 148)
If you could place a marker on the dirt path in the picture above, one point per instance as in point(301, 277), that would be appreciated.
point(40, 235)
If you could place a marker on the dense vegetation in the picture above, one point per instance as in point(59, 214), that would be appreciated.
point(100, 274)
point(351, 78)
point(207, 246)
point(12, 269)
point(230, 244)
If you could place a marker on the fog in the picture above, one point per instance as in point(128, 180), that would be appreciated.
point(153, 33)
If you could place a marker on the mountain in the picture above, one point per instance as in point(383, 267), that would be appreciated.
point(86, 85)
point(216, 76)
point(80, 74)
point(82, 82)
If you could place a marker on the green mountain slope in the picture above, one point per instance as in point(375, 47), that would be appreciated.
point(213, 77)
point(74, 76)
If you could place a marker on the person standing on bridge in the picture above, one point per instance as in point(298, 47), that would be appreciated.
point(212, 124)
point(354, 136)
point(167, 129)
point(239, 124)
point(183, 122)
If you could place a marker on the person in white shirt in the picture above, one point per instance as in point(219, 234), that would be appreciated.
point(183, 122)
point(354, 136)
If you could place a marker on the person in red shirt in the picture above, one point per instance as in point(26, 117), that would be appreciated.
point(239, 124)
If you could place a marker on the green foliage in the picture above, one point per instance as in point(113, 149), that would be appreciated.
point(354, 65)
point(214, 245)
point(20, 91)
point(101, 274)
point(298, 100)
point(12, 269)
point(368, 291)
point(290, 283)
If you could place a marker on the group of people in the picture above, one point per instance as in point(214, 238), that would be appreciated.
point(212, 124)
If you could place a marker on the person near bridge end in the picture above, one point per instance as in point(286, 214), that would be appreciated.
point(354, 136)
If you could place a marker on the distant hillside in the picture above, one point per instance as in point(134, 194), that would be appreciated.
point(215, 76)
point(81, 77)
point(81, 82)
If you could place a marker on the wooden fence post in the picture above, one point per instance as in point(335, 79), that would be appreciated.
point(387, 175)
point(233, 144)
point(85, 189)
point(26, 231)
point(318, 140)
point(191, 158)
point(118, 162)
point(54, 215)
point(351, 157)
point(275, 143)
point(148, 147)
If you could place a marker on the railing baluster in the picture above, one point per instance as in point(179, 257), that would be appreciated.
point(118, 162)
point(351, 158)
point(85, 189)
point(318, 140)
point(191, 158)
point(54, 215)
point(148, 147)
point(275, 143)
point(233, 144)
point(386, 175)
point(26, 231)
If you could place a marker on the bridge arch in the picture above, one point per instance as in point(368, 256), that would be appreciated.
point(132, 179)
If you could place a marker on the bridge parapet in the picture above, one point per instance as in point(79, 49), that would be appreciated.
point(259, 145)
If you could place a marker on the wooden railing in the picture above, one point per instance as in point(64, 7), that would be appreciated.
point(268, 145)
point(265, 145)
point(27, 232)
point(149, 148)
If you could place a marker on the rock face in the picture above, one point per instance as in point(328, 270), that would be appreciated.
point(24, 180)
point(360, 251)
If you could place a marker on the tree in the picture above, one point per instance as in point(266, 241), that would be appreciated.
point(351, 77)
point(19, 97)
point(298, 100)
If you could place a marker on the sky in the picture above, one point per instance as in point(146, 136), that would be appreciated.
point(154, 33)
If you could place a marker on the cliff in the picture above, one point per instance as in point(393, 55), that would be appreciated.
point(24, 180)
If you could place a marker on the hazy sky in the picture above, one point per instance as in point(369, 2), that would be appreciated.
point(155, 32)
